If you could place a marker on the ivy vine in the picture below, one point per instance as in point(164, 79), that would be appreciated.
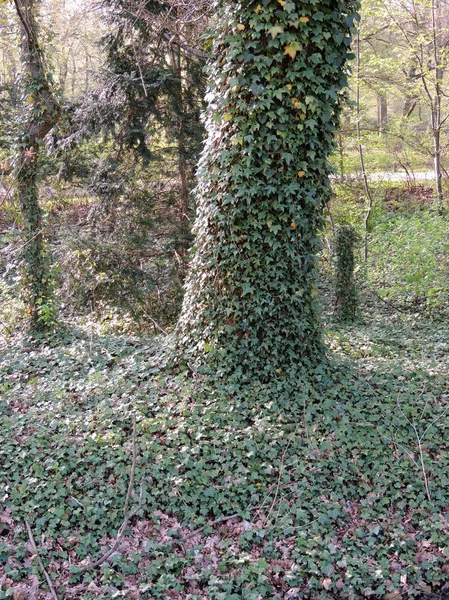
point(276, 81)
point(40, 111)
point(346, 296)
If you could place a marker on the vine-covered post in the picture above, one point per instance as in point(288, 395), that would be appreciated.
point(39, 114)
point(346, 296)
point(276, 80)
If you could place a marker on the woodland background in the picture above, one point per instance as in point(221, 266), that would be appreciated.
point(206, 490)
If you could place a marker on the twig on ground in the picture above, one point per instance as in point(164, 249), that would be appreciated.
point(120, 534)
point(423, 466)
point(281, 470)
point(390, 303)
point(419, 439)
point(41, 564)
point(128, 516)
point(133, 470)
point(200, 529)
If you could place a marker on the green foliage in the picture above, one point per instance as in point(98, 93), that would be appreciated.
point(274, 101)
point(116, 253)
point(408, 260)
point(346, 296)
point(36, 278)
point(39, 112)
point(328, 483)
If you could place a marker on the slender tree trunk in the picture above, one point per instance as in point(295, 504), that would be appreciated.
point(361, 155)
point(382, 112)
point(175, 57)
point(436, 159)
point(39, 114)
point(436, 105)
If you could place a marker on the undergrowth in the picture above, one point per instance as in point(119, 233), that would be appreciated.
point(337, 489)
point(333, 486)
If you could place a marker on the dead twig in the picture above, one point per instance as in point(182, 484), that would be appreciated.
point(200, 529)
point(119, 538)
point(41, 564)
point(128, 515)
point(281, 471)
point(133, 470)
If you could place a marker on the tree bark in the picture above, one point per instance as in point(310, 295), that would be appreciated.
point(40, 112)
point(382, 112)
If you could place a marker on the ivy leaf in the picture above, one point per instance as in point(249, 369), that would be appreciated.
point(275, 31)
point(291, 49)
point(258, 9)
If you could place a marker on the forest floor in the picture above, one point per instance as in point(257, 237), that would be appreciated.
point(122, 478)
point(339, 491)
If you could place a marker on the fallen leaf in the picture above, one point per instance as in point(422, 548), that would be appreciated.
point(327, 583)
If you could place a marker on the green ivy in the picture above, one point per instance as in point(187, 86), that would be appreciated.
point(39, 113)
point(345, 288)
point(275, 92)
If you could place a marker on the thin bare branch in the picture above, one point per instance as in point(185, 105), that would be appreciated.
point(41, 564)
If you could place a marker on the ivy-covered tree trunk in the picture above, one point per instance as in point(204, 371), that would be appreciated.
point(39, 114)
point(274, 101)
point(345, 286)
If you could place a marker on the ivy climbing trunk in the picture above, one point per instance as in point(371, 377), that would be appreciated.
point(39, 114)
point(276, 80)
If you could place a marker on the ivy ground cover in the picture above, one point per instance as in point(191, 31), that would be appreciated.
point(338, 490)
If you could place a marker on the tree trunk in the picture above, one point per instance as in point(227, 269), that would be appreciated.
point(39, 114)
point(382, 113)
point(176, 65)
point(436, 105)
point(250, 307)
point(411, 94)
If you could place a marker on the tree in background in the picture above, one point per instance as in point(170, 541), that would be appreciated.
point(276, 78)
point(424, 28)
point(154, 72)
point(403, 74)
point(133, 141)
point(9, 67)
point(39, 113)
